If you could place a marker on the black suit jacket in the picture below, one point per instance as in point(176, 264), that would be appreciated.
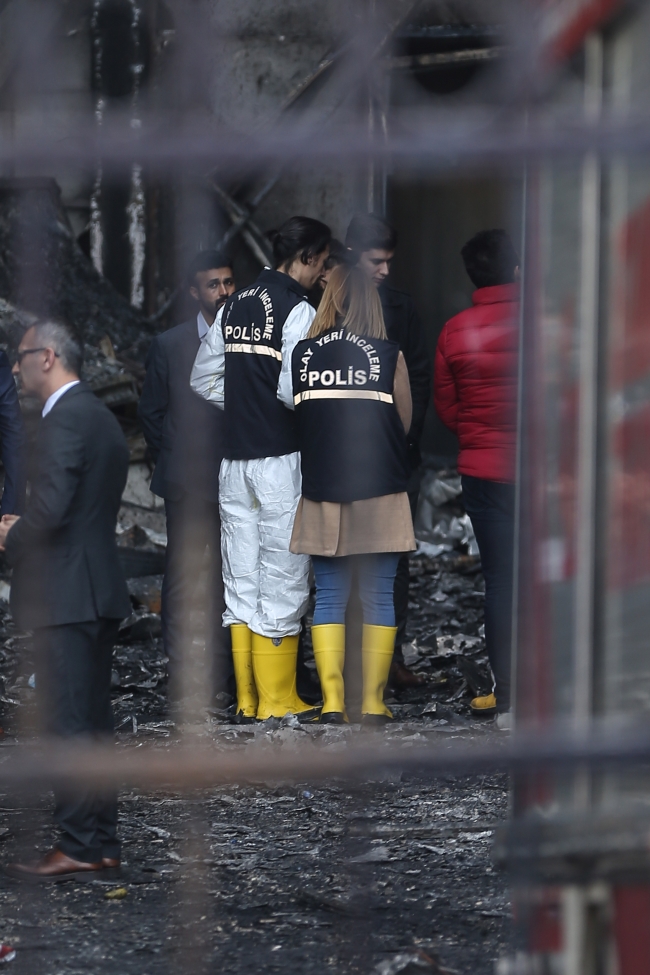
point(403, 326)
point(183, 431)
point(63, 551)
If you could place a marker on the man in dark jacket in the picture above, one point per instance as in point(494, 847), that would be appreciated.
point(12, 443)
point(184, 435)
point(476, 396)
point(371, 243)
point(67, 582)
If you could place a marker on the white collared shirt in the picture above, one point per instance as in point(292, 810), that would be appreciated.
point(209, 365)
point(202, 326)
point(55, 397)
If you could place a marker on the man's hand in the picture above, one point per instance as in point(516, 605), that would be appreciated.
point(6, 523)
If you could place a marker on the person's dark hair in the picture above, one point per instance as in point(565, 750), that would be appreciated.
point(368, 232)
point(338, 254)
point(299, 238)
point(206, 261)
point(490, 259)
point(63, 342)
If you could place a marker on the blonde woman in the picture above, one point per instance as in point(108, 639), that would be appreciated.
point(353, 411)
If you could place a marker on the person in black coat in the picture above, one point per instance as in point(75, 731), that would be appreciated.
point(184, 436)
point(12, 443)
point(371, 244)
point(67, 583)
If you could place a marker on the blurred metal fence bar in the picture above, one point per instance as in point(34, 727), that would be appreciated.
point(196, 765)
point(441, 140)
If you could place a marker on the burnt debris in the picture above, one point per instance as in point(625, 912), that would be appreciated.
point(43, 271)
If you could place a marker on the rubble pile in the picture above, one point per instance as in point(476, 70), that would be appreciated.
point(446, 632)
point(111, 380)
point(43, 271)
point(13, 323)
point(441, 524)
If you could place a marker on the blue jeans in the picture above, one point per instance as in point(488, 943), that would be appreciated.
point(376, 584)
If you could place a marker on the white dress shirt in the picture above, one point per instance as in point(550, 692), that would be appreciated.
point(55, 397)
point(202, 326)
point(206, 378)
point(210, 363)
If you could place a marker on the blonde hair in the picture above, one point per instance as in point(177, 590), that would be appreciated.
point(351, 301)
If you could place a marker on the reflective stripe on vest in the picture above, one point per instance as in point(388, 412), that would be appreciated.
point(253, 349)
point(343, 394)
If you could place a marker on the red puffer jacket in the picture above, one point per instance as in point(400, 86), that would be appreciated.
point(475, 382)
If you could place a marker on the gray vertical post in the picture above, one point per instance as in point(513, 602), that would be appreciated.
point(588, 328)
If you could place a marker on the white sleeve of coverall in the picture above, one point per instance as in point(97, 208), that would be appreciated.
point(295, 330)
point(209, 366)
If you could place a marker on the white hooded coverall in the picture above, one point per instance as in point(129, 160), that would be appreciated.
point(265, 585)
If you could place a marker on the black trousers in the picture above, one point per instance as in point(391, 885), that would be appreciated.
point(73, 683)
point(402, 577)
point(193, 524)
point(491, 507)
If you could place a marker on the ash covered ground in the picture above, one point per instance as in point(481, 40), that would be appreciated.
point(386, 875)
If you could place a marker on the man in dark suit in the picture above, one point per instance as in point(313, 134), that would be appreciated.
point(67, 583)
point(371, 244)
point(12, 443)
point(184, 435)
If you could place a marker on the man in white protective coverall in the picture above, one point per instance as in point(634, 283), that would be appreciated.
point(244, 366)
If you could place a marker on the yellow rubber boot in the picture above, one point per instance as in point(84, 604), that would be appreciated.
point(376, 655)
point(328, 641)
point(274, 668)
point(484, 705)
point(242, 658)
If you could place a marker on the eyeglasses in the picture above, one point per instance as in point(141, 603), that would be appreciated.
point(20, 355)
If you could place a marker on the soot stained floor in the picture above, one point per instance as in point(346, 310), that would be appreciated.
point(388, 874)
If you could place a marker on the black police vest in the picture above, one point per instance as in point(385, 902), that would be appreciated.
point(352, 441)
point(256, 423)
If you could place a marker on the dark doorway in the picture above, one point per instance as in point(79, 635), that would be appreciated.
point(434, 219)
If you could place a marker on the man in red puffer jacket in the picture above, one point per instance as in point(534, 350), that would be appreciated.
point(475, 394)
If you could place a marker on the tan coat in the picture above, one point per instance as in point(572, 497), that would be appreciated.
point(373, 525)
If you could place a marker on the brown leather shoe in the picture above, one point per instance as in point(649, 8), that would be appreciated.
point(400, 678)
point(55, 865)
